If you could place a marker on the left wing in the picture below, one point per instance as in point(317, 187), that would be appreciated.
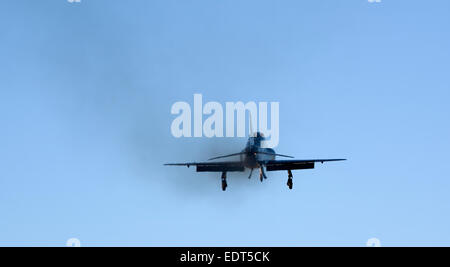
point(278, 165)
point(226, 166)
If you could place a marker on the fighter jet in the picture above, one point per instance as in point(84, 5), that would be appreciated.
point(254, 156)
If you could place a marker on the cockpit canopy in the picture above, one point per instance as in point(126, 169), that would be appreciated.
point(258, 135)
point(255, 139)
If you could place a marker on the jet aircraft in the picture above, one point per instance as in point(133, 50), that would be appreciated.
point(254, 156)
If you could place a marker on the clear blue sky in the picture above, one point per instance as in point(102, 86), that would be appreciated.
point(86, 91)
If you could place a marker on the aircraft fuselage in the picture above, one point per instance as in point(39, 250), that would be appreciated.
point(253, 155)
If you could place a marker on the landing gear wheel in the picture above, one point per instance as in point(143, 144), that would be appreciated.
point(290, 183)
point(224, 181)
point(224, 185)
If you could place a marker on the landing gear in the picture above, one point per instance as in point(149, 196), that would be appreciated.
point(262, 174)
point(289, 181)
point(224, 181)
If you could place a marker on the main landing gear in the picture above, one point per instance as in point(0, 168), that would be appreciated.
point(289, 181)
point(224, 181)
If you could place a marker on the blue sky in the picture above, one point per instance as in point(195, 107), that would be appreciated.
point(86, 92)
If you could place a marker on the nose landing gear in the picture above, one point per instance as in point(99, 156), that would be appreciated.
point(224, 181)
point(289, 181)
point(262, 174)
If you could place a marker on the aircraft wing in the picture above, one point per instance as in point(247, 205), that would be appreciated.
point(278, 165)
point(225, 166)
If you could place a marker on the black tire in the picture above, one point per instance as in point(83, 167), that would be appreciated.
point(290, 184)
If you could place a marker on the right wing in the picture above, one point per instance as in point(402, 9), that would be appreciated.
point(278, 165)
point(226, 166)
